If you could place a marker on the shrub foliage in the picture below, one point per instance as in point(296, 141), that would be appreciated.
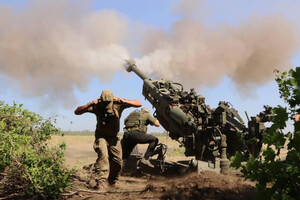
point(278, 178)
point(35, 167)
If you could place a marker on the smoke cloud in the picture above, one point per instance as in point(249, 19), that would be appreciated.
point(48, 48)
point(198, 55)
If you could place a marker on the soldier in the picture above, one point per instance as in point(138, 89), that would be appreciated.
point(108, 110)
point(135, 133)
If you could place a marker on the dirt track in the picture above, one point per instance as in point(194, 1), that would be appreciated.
point(207, 185)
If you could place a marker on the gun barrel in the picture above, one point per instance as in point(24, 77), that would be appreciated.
point(132, 67)
point(177, 115)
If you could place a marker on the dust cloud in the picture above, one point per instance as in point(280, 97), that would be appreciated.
point(199, 56)
point(49, 48)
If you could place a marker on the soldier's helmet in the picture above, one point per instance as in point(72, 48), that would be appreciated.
point(107, 95)
point(145, 110)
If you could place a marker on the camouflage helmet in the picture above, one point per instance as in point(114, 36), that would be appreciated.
point(107, 95)
point(145, 110)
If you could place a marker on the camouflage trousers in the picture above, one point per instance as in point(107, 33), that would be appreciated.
point(109, 162)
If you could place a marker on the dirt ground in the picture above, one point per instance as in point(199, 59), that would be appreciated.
point(206, 185)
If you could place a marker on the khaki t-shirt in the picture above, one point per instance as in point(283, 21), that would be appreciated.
point(108, 120)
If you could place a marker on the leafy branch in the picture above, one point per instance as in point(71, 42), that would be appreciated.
point(25, 155)
point(277, 177)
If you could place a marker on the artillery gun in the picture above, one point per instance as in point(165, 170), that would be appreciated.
point(196, 126)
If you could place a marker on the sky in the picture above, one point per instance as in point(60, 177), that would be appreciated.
point(58, 54)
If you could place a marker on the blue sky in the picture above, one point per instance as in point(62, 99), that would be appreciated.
point(159, 15)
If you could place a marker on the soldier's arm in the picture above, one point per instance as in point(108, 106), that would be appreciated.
point(82, 109)
point(156, 123)
point(153, 121)
point(128, 103)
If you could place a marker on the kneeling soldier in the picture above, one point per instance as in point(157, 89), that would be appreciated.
point(135, 133)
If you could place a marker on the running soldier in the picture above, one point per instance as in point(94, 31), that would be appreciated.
point(108, 110)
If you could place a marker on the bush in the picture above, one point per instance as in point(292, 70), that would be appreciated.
point(34, 166)
point(278, 178)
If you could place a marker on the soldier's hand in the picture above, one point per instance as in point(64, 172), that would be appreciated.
point(120, 100)
point(95, 102)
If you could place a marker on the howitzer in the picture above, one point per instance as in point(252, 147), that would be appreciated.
point(195, 125)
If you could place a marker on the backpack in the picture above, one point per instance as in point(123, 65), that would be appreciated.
point(133, 119)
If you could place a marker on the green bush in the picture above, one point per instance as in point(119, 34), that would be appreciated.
point(278, 178)
point(34, 166)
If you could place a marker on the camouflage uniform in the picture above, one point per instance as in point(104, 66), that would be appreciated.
point(137, 135)
point(107, 143)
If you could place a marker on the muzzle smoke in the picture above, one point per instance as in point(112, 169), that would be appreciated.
point(48, 48)
point(198, 55)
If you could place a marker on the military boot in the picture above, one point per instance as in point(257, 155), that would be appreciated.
point(146, 162)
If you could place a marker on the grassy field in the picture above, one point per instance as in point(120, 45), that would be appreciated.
point(80, 150)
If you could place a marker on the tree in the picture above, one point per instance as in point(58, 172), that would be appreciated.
point(35, 167)
point(278, 178)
